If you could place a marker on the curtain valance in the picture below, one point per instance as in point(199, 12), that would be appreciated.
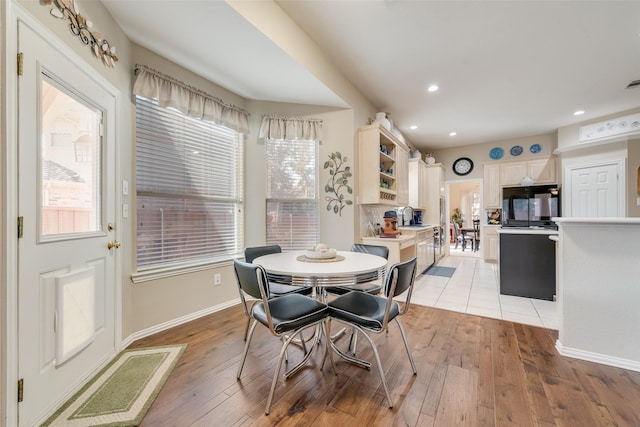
point(291, 128)
point(188, 100)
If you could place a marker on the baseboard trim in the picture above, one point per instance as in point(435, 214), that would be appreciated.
point(179, 321)
point(604, 359)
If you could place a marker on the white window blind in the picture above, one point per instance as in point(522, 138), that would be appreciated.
point(292, 194)
point(188, 186)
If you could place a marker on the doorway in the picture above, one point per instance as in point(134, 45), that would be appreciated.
point(464, 204)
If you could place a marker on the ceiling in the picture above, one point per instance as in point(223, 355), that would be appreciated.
point(504, 69)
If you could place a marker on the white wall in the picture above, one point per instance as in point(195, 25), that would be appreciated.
point(479, 154)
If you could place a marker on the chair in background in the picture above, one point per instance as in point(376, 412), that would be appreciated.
point(277, 284)
point(459, 238)
point(476, 234)
point(286, 316)
point(364, 282)
point(372, 313)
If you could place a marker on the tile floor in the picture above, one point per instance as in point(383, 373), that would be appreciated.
point(473, 289)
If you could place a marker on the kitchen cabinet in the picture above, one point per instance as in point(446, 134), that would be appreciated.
point(490, 242)
point(382, 167)
point(435, 194)
point(425, 246)
point(402, 168)
point(491, 186)
point(418, 184)
point(543, 171)
point(402, 248)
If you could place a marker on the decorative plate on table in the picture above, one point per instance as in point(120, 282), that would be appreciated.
point(535, 148)
point(496, 153)
point(324, 254)
point(516, 150)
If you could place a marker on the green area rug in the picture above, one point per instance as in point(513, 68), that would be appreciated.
point(122, 393)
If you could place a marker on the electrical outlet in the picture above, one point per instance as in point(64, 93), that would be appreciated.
point(216, 279)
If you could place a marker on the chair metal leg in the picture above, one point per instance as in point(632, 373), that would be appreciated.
point(246, 330)
point(327, 351)
point(283, 351)
point(246, 348)
point(406, 346)
point(380, 370)
point(353, 342)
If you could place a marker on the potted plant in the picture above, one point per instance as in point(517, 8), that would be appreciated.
point(456, 217)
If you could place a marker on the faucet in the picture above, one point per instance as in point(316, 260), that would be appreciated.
point(403, 216)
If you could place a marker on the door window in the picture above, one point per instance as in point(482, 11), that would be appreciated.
point(70, 162)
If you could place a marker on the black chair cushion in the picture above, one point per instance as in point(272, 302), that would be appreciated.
point(278, 289)
point(362, 309)
point(290, 312)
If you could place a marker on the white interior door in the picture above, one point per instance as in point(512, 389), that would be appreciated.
point(595, 191)
point(66, 273)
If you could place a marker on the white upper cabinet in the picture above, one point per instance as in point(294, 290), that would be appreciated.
point(382, 167)
point(543, 171)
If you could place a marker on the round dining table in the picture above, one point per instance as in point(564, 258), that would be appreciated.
point(347, 268)
point(343, 270)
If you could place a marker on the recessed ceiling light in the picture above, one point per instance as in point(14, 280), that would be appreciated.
point(413, 127)
point(452, 134)
point(433, 88)
point(579, 112)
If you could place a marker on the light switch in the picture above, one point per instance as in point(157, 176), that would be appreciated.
point(125, 210)
point(125, 187)
point(638, 201)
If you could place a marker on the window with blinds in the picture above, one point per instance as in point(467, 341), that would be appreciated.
point(292, 194)
point(188, 186)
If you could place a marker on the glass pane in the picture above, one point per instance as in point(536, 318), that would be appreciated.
point(70, 163)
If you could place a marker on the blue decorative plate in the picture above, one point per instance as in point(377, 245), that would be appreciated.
point(496, 153)
point(516, 150)
point(535, 148)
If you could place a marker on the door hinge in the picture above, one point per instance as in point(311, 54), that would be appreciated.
point(20, 59)
point(20, 227)
point(20, 390)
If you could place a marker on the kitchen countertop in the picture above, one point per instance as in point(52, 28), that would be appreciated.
point(522, 230)
point(416, 227)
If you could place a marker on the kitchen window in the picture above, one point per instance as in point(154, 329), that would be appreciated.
point(292, 194)
point(189, 180)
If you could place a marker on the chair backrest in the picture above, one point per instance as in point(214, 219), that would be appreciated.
point(254, 252)
point(456, 230)
point(400, 279)
point(382, 251)
point(252, 280)
point(476, 228)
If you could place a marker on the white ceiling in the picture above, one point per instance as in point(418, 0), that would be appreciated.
point(505, 69)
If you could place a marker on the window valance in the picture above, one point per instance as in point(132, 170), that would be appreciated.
point(290, 128)
point(188, 100)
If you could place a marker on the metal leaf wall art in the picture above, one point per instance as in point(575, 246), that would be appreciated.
point(81, 27)
point(338, 183)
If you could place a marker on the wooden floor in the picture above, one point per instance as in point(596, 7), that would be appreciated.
point(472, 371)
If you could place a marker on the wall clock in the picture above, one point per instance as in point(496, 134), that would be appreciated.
point(463, 166)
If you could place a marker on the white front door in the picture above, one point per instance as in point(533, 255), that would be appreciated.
point(66, 273)
point(595, 191)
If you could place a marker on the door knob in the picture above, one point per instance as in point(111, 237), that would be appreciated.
point(114, 244)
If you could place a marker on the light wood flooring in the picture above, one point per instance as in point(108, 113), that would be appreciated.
point(472, 371)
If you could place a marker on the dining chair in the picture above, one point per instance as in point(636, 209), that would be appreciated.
point(286, 317)
point(476, 234)
point(459, 238)
point(278, 285)
point(372, 313)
